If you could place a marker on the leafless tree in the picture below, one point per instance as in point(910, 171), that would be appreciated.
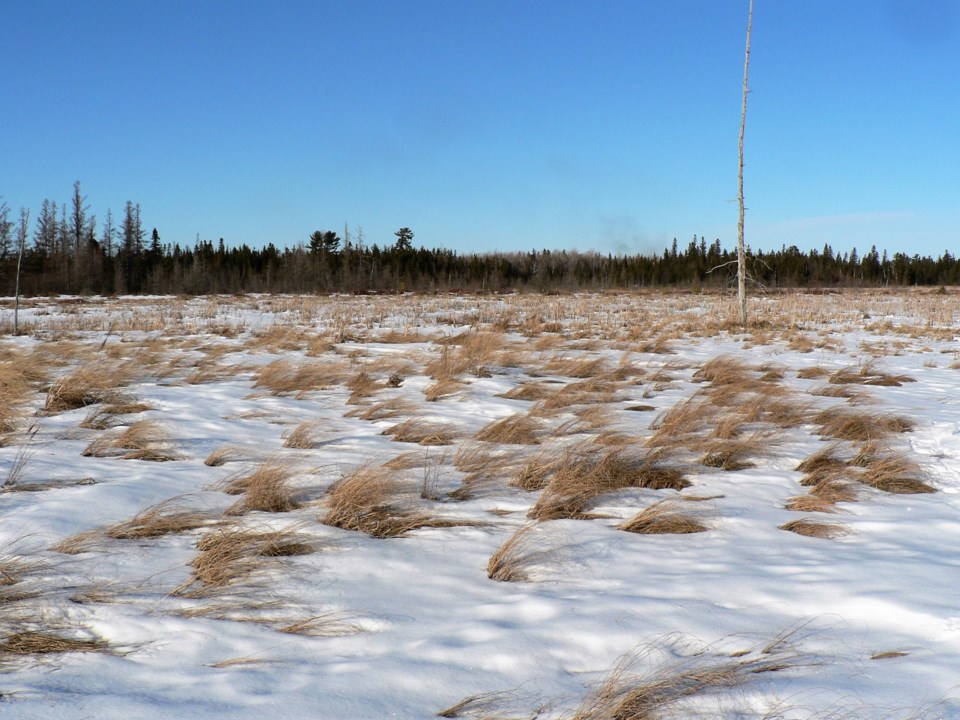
point(21, 243)
point(741, 255)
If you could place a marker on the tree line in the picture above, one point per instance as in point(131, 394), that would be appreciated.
point(65, 251)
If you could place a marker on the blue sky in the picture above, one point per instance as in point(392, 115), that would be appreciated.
point(494, 125)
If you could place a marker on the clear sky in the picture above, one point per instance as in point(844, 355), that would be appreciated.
point(493, 124)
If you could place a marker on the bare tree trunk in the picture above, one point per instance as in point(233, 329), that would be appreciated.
point(741, 257)
point(21, 241)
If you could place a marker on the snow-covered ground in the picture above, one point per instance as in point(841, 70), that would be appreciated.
point(334, 622)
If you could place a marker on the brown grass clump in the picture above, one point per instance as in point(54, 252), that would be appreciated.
point(223, 455)
point(530, 391)
point(442, 389)
point(383, 410)
point(674, 426)
point(836, 491)
point(810, 503)
point(87, 385)
point(303, 436)
point(361, 386)
point(371, 500)
point(812, 373)
point(165, 518)
point(422, 432)
point(724, 370)
point(677, 671)
point(265, 489)
point(39, 642)
point(513, 559)
point(284, 376)
point(860, 426)
point(897, 475)
point(825, 459)
point(144, 440)
point(536, 472)
point(231, 555)
point(663, 518)
point(731, 455)
point(585, 474)
point(105, 417)
point(868, 374)
point(814, 528)
point(513, 430)
point(576, 367)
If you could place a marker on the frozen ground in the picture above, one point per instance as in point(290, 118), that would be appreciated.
point(342, 623)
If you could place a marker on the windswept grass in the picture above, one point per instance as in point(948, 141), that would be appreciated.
point(229, 556)
point(88, 384)
point(860, 426)
point(517, 554)
point(587, 473)
point(166, 518)
point(373, 501)
point(664, 518)
point(512, 430)
point(677, 678)
point(423, 432)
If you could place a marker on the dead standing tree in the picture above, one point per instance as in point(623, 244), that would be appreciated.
point(741, 255)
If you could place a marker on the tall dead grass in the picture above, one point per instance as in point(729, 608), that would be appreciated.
point(666, 517)
point(518, 554)
point(513, 430)
point(676, 677)
point(265, 489)
point(88, 384)
point(232, 555)
point(373, 501)
point(586, 473)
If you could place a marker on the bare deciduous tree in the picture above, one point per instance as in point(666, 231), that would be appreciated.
point(741, 255)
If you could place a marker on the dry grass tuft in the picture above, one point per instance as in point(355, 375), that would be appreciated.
point(894, 474)
point(372, 501)
point(584, 474)
point(422, 432)
point(361, 386)
point(686, 418)
point(39, 642)
point(868, 374)
point(836, 491)
point(860, 426)
point(814, 528)
point(663, 518)
point(87, 385)
point(810, 503)
point(144, 440)
point(678, 678)
point(731, 455)
point(442, 389)
point(530, 391)
point(576, 367)
point(284, 376)
point(265, 489)
point(725, 370)
point(225, 454)
point(513, 430)
point(105, 417)
point(303, 436)
point(383, 410)
point(518, 553)
point(329, 624)
point(826, 459)
point(231, 555)
point(165, 518)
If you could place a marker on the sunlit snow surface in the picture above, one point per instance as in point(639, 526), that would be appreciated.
point(414, 623)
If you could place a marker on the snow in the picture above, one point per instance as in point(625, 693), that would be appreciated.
point(414, 623)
